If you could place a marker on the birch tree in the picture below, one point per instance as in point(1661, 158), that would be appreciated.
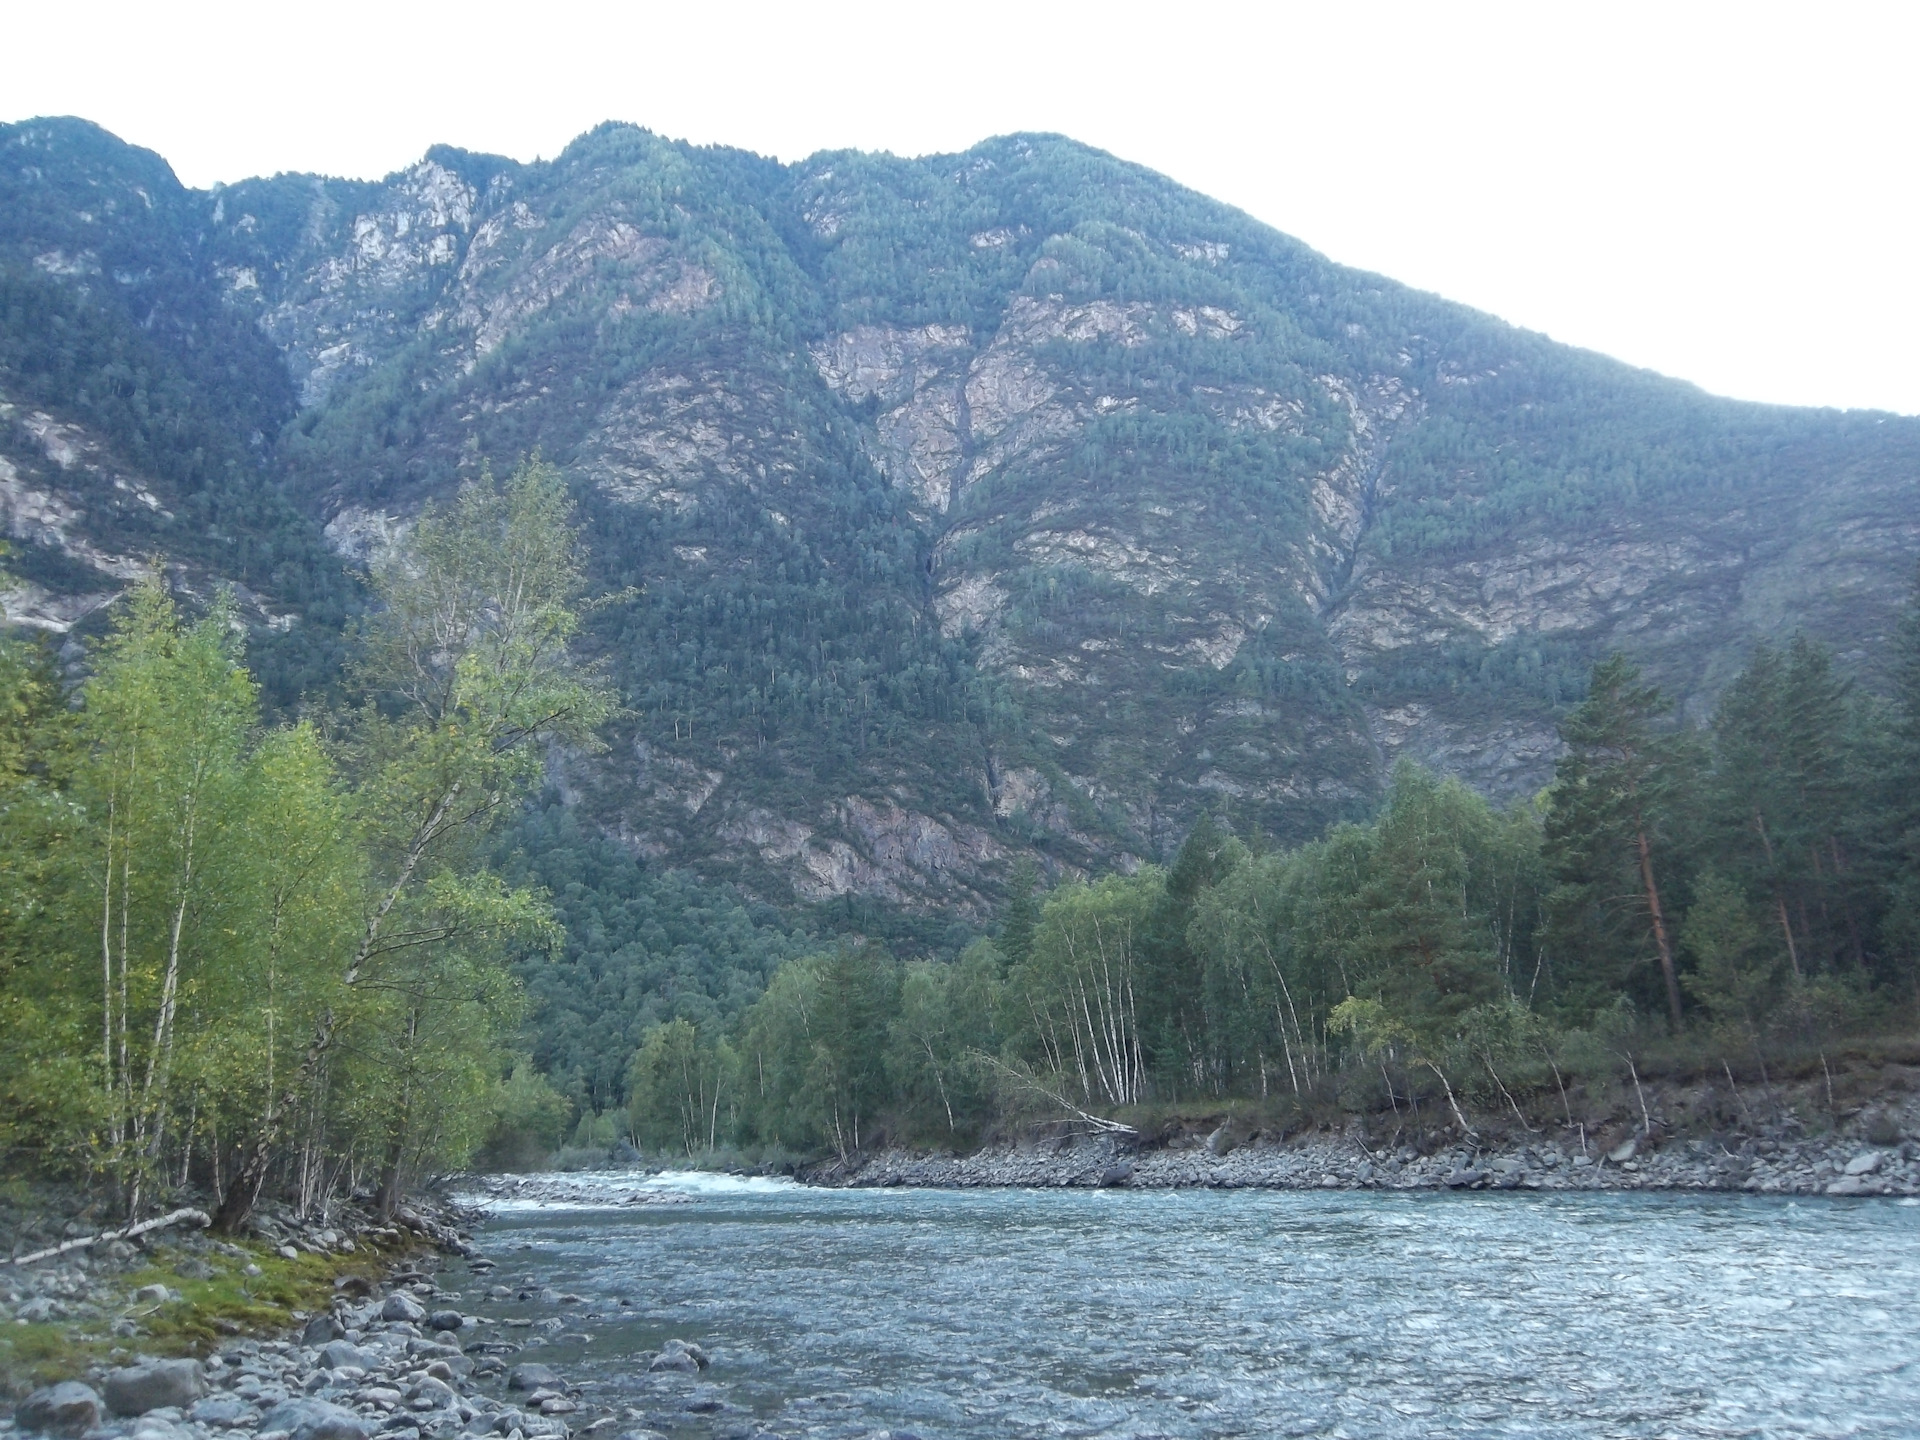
point(468, 680)
point(1076, 996)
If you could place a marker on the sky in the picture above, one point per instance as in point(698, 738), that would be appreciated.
point(1723, 193)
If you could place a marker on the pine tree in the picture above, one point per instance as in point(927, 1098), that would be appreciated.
point(1607, 831)
point(1022, 912)
point(1424, 955)
point(1900, 790)
point(1782, 808)
point(1172, 1002)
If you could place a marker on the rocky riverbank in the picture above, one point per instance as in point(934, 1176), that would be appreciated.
point(1866, 1158)
point(398, 1355)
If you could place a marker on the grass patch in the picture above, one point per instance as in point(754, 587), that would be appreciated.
point(209, 1311)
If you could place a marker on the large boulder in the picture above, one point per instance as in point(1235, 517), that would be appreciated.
point(68, 1408)
point(435, 1393)
point(1865, 1163)
point(320, 1329)
point(403, 1308)
point(137, 1389)
point(223, 1412)
point(678, 1355)
point(446, 1320)
point(316, 1420)
point(532, 1377)
point(339, 1353)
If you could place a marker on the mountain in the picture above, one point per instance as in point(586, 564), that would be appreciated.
point(948, 509)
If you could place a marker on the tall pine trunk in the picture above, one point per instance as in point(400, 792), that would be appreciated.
point(1660, 937)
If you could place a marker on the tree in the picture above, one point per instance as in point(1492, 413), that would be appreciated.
point(1782, 803)
point(1901, 791)
point(1022, 912)
point(1172, 994)
point(528, 1120)
point(676, 1088)
point(163, 738)
point(469, 680)
point(813, 1056)
point(51, 1090)
point(1075, 1002)
point(1271, 977)
point(1423, 951)
point(1611, 808)
point(1735, 976)
point(944, 1027)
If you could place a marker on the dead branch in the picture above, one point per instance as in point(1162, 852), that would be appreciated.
point(1453, 1103)
point(1026, 1081)
point(1646, 1120)
point(177, 1217)
point(1510, 1101)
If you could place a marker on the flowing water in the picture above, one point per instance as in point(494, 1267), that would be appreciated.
point(1202, 1313)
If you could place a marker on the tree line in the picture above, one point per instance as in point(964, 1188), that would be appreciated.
point(233, 952)
point(1738, 892)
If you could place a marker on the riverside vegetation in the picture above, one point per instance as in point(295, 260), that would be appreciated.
point(1737, 901)
point(232, 952)
point(238, 951)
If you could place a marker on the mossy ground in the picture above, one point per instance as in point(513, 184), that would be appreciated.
point(209, 1311)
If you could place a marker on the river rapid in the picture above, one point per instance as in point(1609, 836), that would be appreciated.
point(1213, 1313)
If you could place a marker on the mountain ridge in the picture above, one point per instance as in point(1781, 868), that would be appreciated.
point(1056, 505)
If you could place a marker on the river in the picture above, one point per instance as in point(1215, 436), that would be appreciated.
point(1210, 1313)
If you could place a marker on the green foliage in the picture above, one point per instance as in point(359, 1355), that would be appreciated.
point(1021, 914)
point(241, 949)
point(677, 1088)
point(1615, 808)
point(948, 1021)
point(1736, 976)
point(643, 946)
point(813, 1053)
point(1433, 954)
point(1073, 1006)
point(319, 971)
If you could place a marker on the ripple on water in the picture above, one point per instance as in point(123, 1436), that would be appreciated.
point(1189, 1313)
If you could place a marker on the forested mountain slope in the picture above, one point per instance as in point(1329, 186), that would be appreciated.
point(948, 509)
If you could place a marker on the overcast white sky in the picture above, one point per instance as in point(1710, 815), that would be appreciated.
point(1723, 193)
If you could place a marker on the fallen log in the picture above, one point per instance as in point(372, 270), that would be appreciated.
point(176, 1217)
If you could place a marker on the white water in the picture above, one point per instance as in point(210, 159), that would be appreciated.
point(615, 1189)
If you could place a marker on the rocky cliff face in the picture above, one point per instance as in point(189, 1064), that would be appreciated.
point(977, 505)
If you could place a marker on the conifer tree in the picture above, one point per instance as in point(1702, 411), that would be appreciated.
point(1900, 790)
point(1172, 999)
point(1607, 830)
point(1022, 912)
